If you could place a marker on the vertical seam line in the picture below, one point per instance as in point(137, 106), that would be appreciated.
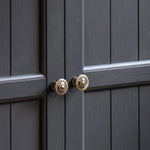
point(65, 73)
point(10, 129)
point(10, 39)
point(110, 119)
point(110, 32)
point(138, 11)
point(139, 118)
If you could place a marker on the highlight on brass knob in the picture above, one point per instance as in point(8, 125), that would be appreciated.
point(60, 86)
point(81, 82)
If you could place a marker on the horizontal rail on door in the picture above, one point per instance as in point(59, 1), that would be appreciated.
point(118, 74)
point(21, 86)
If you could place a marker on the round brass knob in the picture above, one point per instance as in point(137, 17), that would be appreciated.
point(60, 86)
point(81, 82)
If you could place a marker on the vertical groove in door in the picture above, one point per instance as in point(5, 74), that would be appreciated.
point(10, 128)
point(110, 63)
point(110, 31)
point(10, 38)
point(139, 118)
point(138, 30)
point(138, 12)
point(43, 70)
point(83, 34)
point(110, 119)
point(65, 73)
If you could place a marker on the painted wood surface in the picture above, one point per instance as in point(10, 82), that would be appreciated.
point(113, 51)
point(4, 38)
point(25, 41)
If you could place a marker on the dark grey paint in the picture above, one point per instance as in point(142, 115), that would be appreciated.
point(78, 33)
point(118, 76)
point(4, 38)
point(74, 101)
point(5, 127)
point(22, 86)
point(25, 127)
point(97, 120)
point(125, 119)
point(84, 46)
point(144, 28)
point(96, 31)
point(25, 37)
point(55, 70)
point(124, 30)
point(145, 118)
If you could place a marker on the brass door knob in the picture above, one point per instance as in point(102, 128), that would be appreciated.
point(81, 82)
point(60, 86)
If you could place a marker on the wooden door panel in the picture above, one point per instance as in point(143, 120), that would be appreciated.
point(144, 29)
point(96, 120)
point(121, 72)
point(25, 41)
point(124, 30)
point(124, 119)
point(20, 51)
point(144, 117)
point(4, 38)
point(118, 74)
point(20, 125)
point(22, 86)
point(23, 75)
point(5, 127)
point(55, 70)
point(25, 125)
point(96, 32)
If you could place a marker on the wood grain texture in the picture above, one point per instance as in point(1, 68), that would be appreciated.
point(4, 38)
point(25, 124)
point(55, 70)
point(144, 118)
point(125, 119)
point(124, 30)
point(5, 127)
point(96, 22)
point(25, 37)
point(97, 120)
point(144, 28)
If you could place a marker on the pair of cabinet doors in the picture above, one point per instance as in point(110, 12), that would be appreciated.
point(44, 40)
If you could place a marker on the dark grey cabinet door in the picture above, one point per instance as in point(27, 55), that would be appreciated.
point(109, 41)
point(22, 75)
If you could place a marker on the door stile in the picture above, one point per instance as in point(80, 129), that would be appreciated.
point(74, 99)
point(55, 70)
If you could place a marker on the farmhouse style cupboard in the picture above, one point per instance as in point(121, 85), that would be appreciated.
point(42, 41)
